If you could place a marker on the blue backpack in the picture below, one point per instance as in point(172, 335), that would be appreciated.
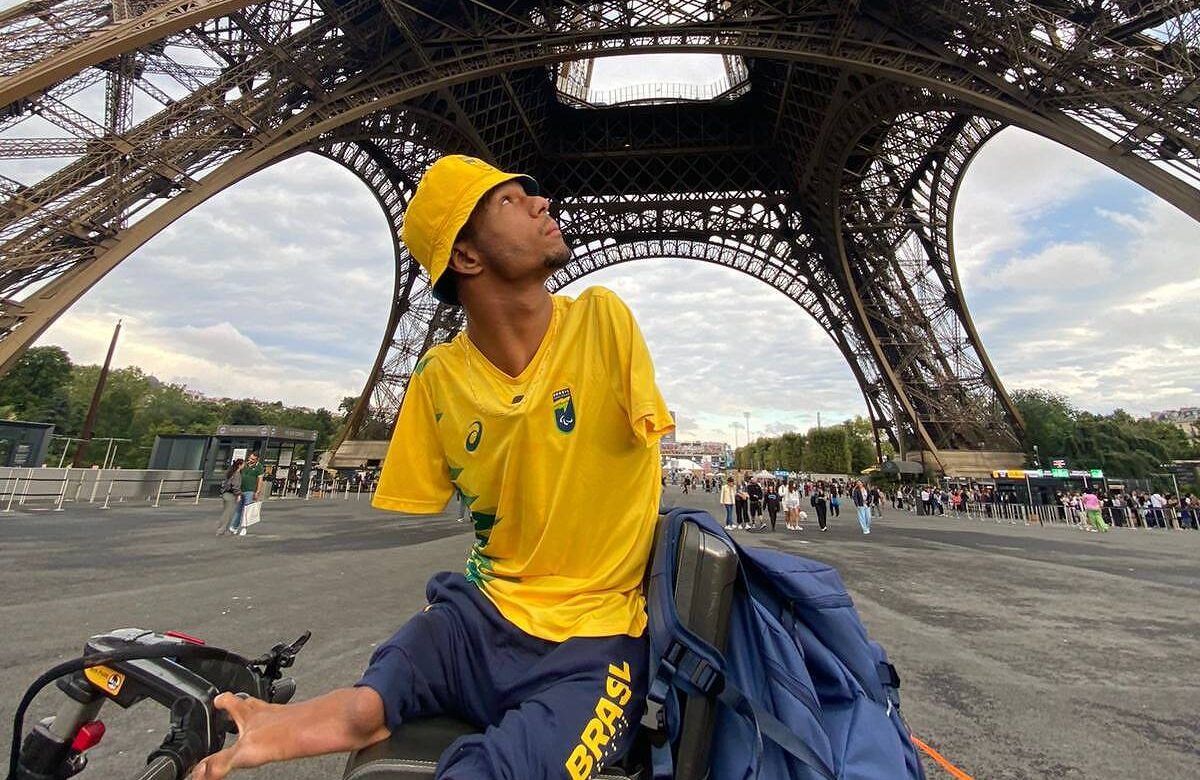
point(804, 694)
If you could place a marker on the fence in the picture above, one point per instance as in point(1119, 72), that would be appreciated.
point(323, 485)
point(1057, 514)
point(54, 487)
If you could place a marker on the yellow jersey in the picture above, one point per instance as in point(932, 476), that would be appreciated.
point(559, 466)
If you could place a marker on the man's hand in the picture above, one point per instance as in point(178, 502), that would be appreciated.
point(256, 497)
point(337, 722)
point(253, 718)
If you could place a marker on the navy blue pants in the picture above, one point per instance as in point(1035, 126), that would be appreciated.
point(547, 709)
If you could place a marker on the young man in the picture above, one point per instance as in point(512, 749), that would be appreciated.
point(533, 414)
point(755, 492)
point(251, 484)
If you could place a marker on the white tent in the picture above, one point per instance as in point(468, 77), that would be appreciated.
point(683, 464)
point(764, 474)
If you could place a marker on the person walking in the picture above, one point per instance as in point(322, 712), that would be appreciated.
point(755, 491)
point(820, 503)
point(1091, 506)
point(791, 507)
point(251, 485)
point(230, 495)
point(728, 493)
point(773, 502)
point(862, 504)
point(741, 507)
point(835, 501)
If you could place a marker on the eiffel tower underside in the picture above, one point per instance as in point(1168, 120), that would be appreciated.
point(827, 166)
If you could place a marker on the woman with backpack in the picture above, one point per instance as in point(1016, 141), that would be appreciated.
point(230, 495)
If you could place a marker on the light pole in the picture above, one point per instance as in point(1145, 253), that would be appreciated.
point(747, 426)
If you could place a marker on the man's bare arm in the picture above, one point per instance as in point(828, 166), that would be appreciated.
point(338, 722)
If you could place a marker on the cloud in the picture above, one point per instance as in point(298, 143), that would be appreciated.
point(724, 343)
point(1067, 267)
point(1077, 280)
point(277, 288)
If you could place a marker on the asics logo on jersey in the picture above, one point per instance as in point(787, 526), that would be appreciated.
point(474, 434)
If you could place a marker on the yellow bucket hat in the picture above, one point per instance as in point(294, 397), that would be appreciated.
point(444, 200)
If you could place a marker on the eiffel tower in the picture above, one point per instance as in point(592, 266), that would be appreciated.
point(824, 162)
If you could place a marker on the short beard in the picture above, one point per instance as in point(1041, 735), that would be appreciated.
point(559, 259)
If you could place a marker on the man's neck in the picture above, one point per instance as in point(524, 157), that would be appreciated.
point(508, 329)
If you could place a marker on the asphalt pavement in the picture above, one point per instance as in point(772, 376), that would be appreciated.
point(1025, 652)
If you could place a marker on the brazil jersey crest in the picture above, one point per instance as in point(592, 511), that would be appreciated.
point(564, 410)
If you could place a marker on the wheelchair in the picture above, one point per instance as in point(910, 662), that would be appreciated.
point(703, 591)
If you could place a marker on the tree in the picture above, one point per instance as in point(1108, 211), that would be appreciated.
point(792, 446)
point(1049, 422)
point(862, 444)
point(243, 413)
point(827, 451)
point(35, 389)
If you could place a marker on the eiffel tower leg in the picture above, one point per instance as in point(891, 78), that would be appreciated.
point(895, 250)
point(417, 321)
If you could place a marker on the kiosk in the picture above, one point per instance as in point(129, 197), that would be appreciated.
point(286, 454)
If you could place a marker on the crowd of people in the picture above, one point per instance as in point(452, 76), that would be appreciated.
point(750, 503)
point(754, 504)
point(1092, 508)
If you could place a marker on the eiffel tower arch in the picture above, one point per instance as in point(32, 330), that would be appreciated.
point(825, 163)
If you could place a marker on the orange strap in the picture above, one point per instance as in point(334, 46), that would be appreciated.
point(954, 771)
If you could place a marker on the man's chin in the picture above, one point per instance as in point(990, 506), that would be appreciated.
point(559, 259)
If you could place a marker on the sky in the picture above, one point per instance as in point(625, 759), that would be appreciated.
point(1079, 282)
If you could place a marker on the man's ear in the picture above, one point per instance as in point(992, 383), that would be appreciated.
point(464, 259)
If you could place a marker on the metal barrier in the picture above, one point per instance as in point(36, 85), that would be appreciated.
point(1070, 517)
point(323, 486)
point(22, 486)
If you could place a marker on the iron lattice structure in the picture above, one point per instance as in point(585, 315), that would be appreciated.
point(826, 163)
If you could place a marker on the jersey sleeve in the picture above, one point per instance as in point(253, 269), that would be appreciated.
point(649, 417)
point(415, 476)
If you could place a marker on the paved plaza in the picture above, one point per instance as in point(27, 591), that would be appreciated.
point(1025, 652)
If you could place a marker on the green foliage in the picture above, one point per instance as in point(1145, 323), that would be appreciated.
point(832, 450)
point(44, 386)
point(1118, 443)
point(862, 444)
point(35, 388)
point(827, 451)
point(1049, 421)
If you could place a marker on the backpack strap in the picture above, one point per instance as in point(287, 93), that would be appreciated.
point(688, 663)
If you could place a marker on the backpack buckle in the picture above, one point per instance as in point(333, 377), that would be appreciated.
point(654, 718)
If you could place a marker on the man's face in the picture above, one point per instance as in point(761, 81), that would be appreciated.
point(516, 236)
point(251, 460)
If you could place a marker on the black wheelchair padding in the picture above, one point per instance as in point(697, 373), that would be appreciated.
point(705, 578)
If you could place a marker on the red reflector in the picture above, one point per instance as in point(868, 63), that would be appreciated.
point(88, 736)
point(191, 640)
